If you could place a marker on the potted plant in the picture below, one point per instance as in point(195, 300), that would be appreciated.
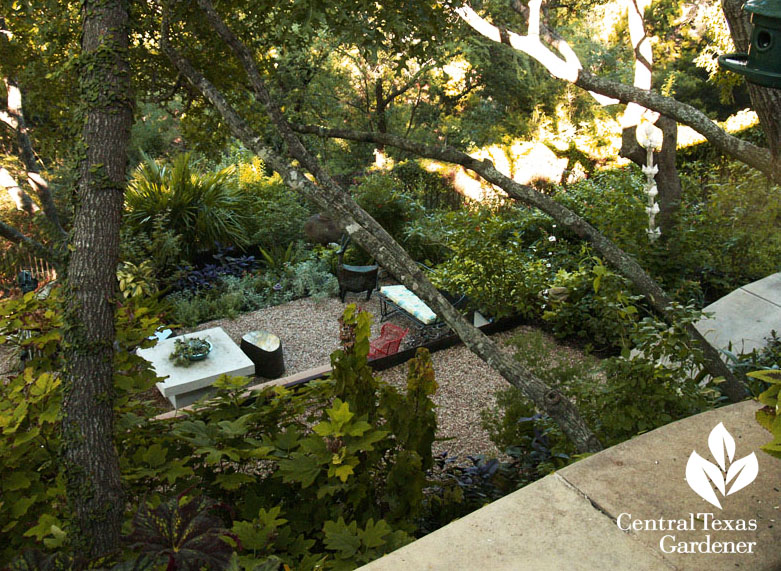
point(188, 350)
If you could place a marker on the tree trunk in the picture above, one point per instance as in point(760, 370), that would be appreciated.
point(91, 462)
point(667, 180)
point(765, 100)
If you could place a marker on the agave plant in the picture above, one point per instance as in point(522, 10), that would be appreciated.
point(206, 209)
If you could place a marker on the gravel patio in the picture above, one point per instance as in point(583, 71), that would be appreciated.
point(309, 331)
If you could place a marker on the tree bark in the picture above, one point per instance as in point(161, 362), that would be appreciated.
point(91, 462)
point(370, 235)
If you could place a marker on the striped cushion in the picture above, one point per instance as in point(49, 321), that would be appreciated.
point(409, 302)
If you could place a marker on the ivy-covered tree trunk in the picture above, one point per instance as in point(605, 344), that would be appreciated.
point(91, 461)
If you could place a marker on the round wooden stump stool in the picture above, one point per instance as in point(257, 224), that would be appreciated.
point(265, 350)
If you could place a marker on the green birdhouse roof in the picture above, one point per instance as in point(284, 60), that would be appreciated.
point(769, 8)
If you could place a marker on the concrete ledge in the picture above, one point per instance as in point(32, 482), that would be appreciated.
point(299, 378)
point(745, 317)
point(569, 520)
point(548, 525)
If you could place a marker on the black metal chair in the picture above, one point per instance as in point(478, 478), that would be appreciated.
point(355, 278)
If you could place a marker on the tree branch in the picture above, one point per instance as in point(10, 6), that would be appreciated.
point(619, 259)
point(20, 197)
point(569, 69)
point(370, 235)
point(12, 234)
point(27, 154)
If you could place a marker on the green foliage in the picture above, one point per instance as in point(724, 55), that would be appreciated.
point(724, 236)
point(515, 261)
point(651, 388)
point(159, 249)
point(34, 508)
point(768, 416)
point(613, 202)
point(737, 232)
point(205, 209)
point(281, 282)
point(278, 213)
point(592, 303)
point(33, 489)
point(381, 196)
point(618, 397)
point(312, 480)
point(328, 486)
point(188, 350)
point(429, 188)
point(510, 423)
point(182, 533)
point(501, 259)
point(135, 280)
point(153, 133)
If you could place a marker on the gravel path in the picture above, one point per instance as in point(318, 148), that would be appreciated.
point(309, 332)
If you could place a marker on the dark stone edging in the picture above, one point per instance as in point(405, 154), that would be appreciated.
point(445, 342)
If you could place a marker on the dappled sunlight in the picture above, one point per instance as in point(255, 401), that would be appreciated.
point(740, 121)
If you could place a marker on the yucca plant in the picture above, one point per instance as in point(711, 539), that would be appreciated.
point(207, 209)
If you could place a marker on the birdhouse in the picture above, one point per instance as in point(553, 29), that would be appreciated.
point(762, 64)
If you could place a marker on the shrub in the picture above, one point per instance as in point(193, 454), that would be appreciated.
point(533, 440)
point(208, 275)
point(309, 478)
point(592, 303)
point(723, 237)
point(313, 477)
point(738, 238)
point(278, 213)
point(159, 247)
point(205, 209)
point(502, 259)
point(617, 397)
point(381, 197)
point(218, 293)
point(429, 188)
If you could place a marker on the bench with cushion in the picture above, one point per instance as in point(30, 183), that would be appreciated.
point(397, 298)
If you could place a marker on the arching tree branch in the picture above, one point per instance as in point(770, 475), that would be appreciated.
point(12, 234)
point(369, 234)
point(568, 67)
point(624, 263)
